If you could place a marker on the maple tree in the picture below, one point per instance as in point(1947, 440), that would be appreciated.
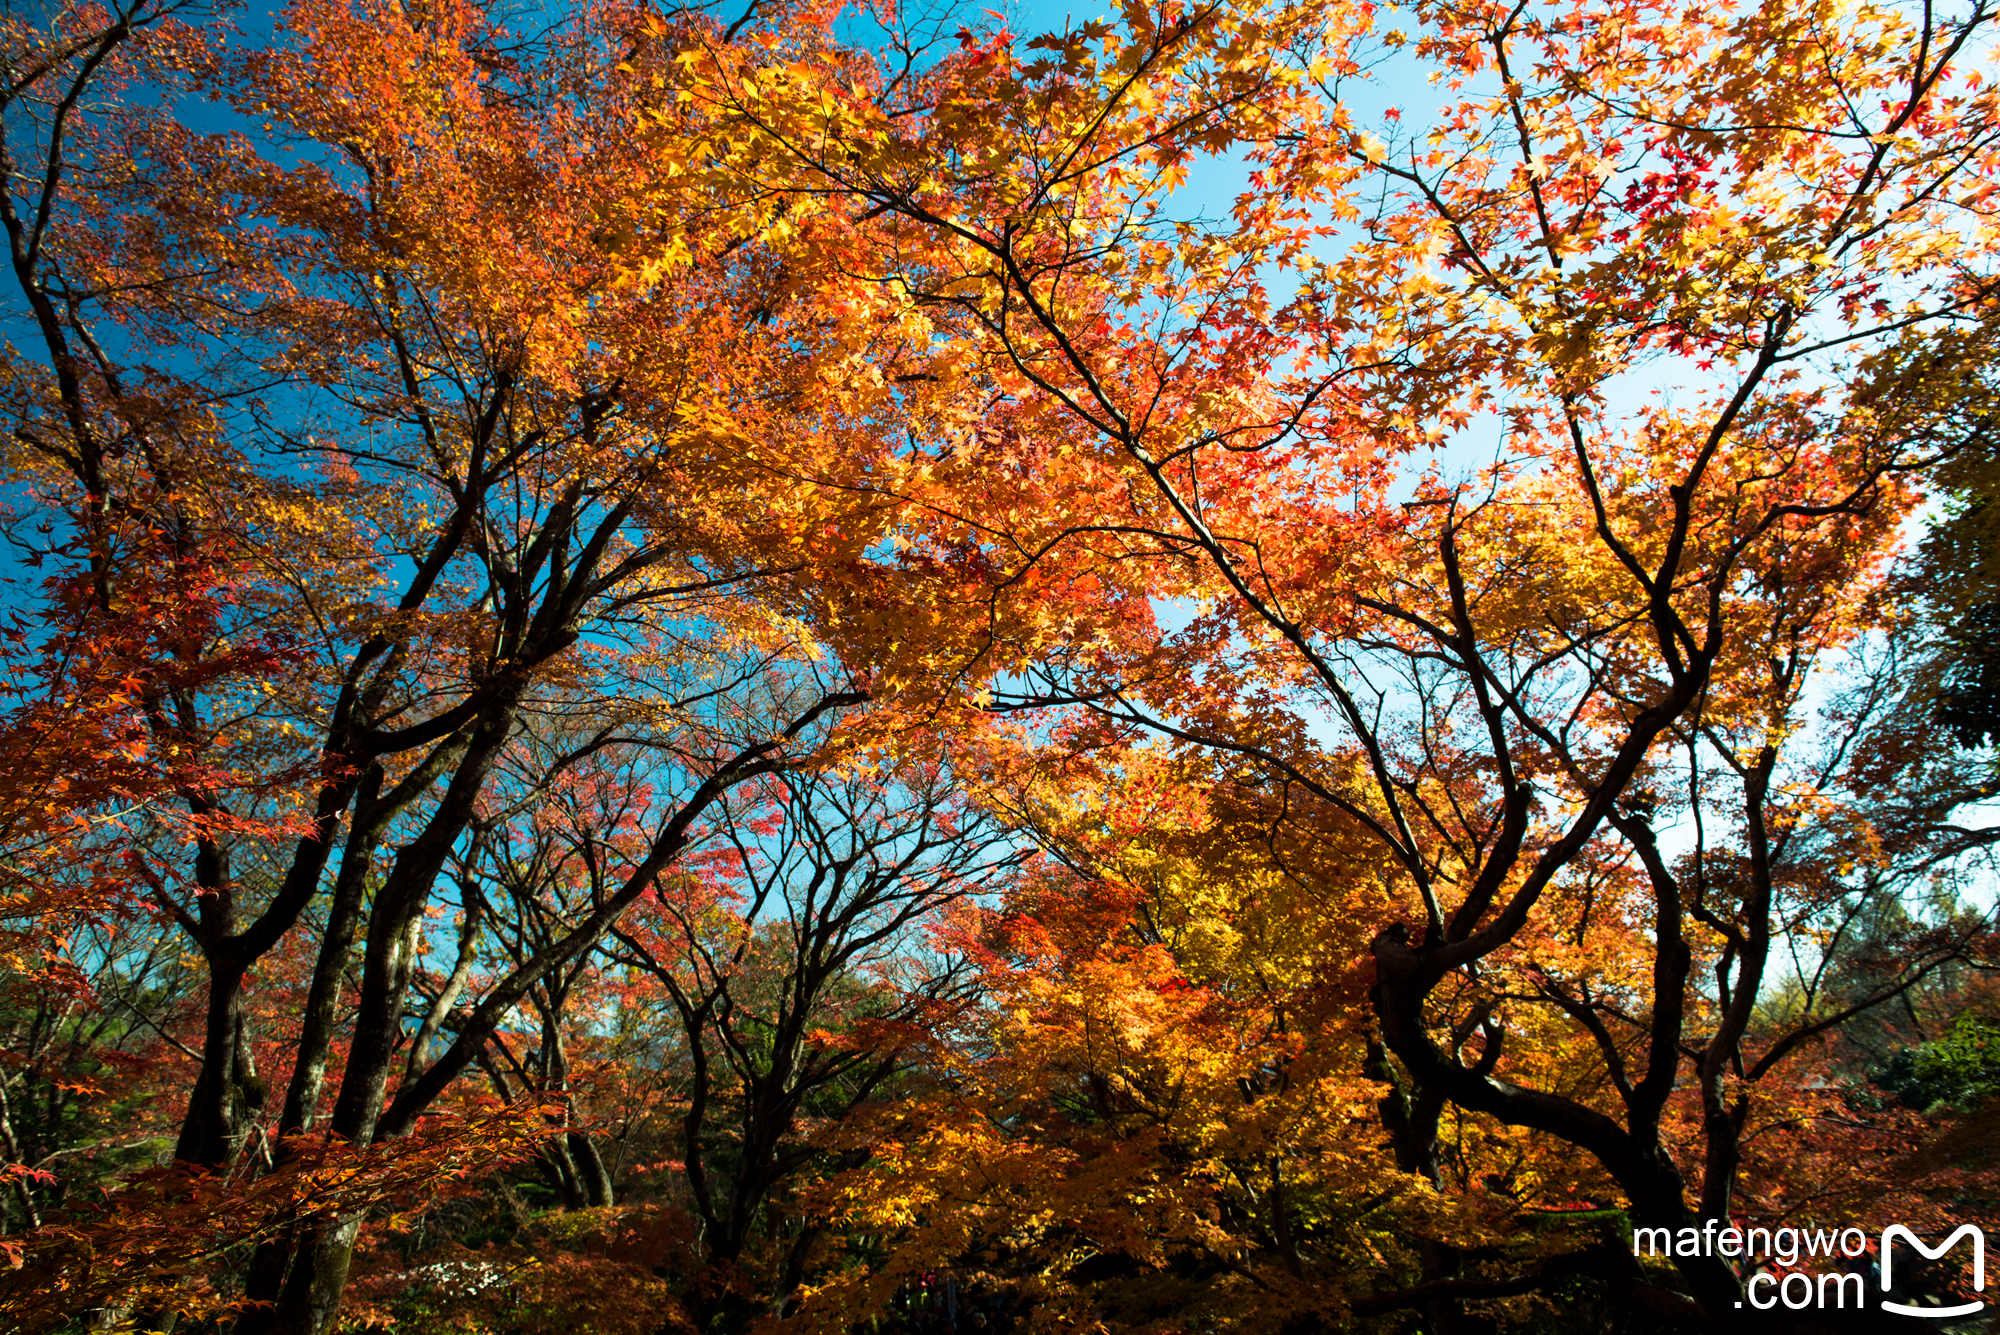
point(789, 977)
point(461, 482)
point(1515, 679)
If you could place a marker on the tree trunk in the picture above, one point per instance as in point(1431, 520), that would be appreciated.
point(213, 1131)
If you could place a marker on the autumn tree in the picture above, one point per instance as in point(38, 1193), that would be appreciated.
point(1151, 1107)
point(1602, 649)
point(483, 474)
point(792, 965)
point(343, 375)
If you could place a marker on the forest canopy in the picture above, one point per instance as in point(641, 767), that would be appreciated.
point(1240, 666)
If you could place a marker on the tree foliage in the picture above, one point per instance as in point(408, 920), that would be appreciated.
point(686, 667)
